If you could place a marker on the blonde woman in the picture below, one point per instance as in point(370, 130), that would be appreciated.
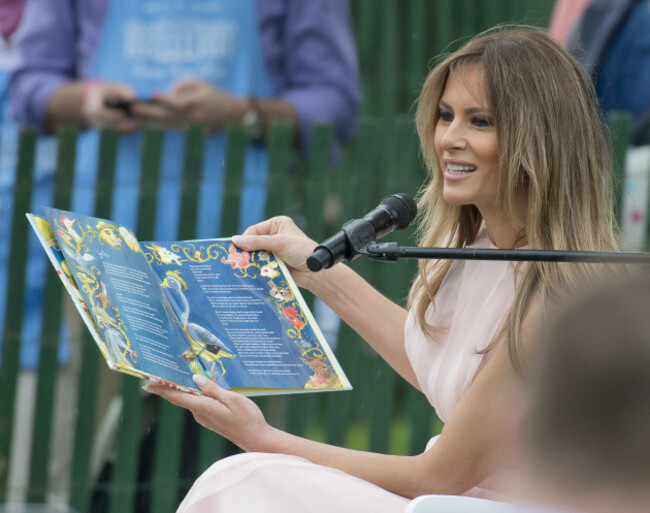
point(512, 137)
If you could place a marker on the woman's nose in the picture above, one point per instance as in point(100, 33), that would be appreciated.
point(454, 136)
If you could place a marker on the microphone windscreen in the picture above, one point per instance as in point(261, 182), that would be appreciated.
point(403, 207)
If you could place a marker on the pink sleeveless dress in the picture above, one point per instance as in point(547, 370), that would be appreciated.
point(471, 305)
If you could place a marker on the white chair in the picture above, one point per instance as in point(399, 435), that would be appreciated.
point(456, 504)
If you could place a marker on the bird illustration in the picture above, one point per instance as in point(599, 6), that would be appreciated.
point(205, 344)
point(176, 275)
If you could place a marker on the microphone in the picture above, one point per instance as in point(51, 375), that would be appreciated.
point(395, 212)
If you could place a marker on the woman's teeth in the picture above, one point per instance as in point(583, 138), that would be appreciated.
point(456, 169)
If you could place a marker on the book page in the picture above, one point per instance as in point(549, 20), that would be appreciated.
point(170, 310)
point(47, 239)
point(246, 320)
point(123, 296)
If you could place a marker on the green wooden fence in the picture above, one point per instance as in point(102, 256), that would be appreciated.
point(396, 38)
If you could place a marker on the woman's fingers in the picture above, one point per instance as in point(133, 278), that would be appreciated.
point(272, 226)
point(176, 397)
point(231, 415)
point(211, 389)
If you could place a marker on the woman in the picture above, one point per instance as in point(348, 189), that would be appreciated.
point(510, 132)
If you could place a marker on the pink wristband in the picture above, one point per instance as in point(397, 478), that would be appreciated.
point(89, 86)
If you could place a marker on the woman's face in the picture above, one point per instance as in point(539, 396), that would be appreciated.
point(465, 140)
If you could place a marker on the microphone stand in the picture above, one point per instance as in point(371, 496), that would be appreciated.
point(391, 252)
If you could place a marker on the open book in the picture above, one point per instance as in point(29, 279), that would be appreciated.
point(167, 310)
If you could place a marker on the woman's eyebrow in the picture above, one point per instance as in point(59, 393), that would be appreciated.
point(471, 110)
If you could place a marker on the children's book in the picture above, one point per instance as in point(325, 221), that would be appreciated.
point(167, 310)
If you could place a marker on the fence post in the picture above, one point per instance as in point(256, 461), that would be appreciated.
point(81, 480)
point(621, 134)
point(169, 443)
point(123, 484)
point(211, 445)
point(15, 303)
point(48, 355)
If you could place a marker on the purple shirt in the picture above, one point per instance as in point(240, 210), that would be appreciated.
point(308, 48)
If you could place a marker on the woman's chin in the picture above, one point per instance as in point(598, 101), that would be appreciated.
point(455, 200)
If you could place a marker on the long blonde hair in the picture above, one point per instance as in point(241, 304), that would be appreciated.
point(553, 151)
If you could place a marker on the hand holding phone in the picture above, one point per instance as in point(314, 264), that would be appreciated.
point(124, 105)
point(103, 105)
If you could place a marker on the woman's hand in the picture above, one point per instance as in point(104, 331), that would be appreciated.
point(281, 236)
point(227, 413)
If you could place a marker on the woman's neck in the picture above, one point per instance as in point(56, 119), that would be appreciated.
point(502, 230)
point(503, 234)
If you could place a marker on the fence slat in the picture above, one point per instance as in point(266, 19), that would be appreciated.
point(620, 124)
point(123, 485)
point(14, 308)
point(312, 184)
point(353, 181)
point(90, 360)
point(280, 191)
point(48, 355)
point(236, 144)
point(443, 26)
point(170, 433)
point(388, 60)
point(417, 53)
point(212, 446)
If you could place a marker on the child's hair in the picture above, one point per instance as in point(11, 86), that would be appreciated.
point(590, 391)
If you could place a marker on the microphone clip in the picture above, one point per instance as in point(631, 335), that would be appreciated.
point(351, 241)
point(386, 251)
point(359, 234)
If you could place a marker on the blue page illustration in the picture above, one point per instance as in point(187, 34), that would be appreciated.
point(168, 310)
point(246, 325)
point(123, 296)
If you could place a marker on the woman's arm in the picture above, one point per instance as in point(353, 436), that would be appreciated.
point(469, 450)
point(475, 443)
point(373, 316)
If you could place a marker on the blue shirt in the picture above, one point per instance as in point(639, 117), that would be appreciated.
point(624, 82)
point(308, 48)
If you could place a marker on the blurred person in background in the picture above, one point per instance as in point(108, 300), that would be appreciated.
point(565, 14)
point(169, 64)
point(612, 40)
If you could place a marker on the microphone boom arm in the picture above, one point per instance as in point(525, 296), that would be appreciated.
point(390, 252)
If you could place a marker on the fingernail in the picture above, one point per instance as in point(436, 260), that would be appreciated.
point(200, 381)
point(239, 239)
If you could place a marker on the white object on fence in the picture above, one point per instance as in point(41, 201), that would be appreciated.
point(635, 198)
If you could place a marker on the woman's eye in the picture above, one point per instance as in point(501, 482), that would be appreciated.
point(447, 117)
point(481, 122)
